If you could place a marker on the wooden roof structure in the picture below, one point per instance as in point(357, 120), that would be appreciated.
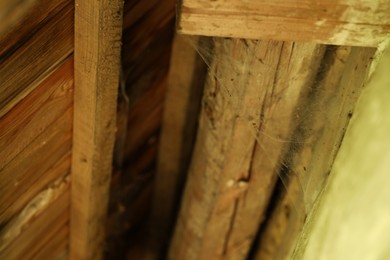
point(117, 140)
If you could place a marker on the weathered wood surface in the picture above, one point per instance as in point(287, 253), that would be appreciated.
point(98, 29)
point(34, 57)
point(247, 116)
point(341, 22)
point(181, 110)
point(342, 76)
point(35, 141)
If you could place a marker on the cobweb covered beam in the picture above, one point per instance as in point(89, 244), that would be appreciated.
point(328, 109)
point(339, 22)
point(247, 119)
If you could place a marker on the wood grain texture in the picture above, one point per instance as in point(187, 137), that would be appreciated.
point(11, 12)
point(34, 18)
point(242, 115)
point(36, 112)
point(341, 22)
point(24, 68)
point(342, 76)
point(182, 104)
point(56, 246)
point(98, 29)
point(143, 21)
point(50, 214)
point(36, 140)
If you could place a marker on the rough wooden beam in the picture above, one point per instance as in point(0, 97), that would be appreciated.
point(341, 22)
point(182, 104)
point(98, 28)
point(247, 112)
point(319, 135)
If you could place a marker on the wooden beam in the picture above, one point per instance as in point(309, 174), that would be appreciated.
point(98, 28)
point(351, 218)
point(342, 76)
point(247, 112)
point(181, 111)
point(341, 22)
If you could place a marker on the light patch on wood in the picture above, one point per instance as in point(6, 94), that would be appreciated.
point(34, 208)
point(354, 17)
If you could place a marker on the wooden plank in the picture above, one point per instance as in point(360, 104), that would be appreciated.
point(31, 20)
point(35, 135)
point(98, 28)
point(251, 95)
point(19, 191)
point(343, 74)
point(53, 216)
point(341, 22)
point(55, 247)
point(22, 70)
point(36, 112)
point(182, 104)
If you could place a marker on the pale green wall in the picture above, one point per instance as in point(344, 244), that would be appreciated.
point(352, 219)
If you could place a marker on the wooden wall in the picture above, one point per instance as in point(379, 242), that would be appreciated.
point(36, 97)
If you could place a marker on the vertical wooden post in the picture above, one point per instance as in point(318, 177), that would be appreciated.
point(98, 28)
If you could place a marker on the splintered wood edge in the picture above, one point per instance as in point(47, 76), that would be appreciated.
point(341, 22)
point(98, 29)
